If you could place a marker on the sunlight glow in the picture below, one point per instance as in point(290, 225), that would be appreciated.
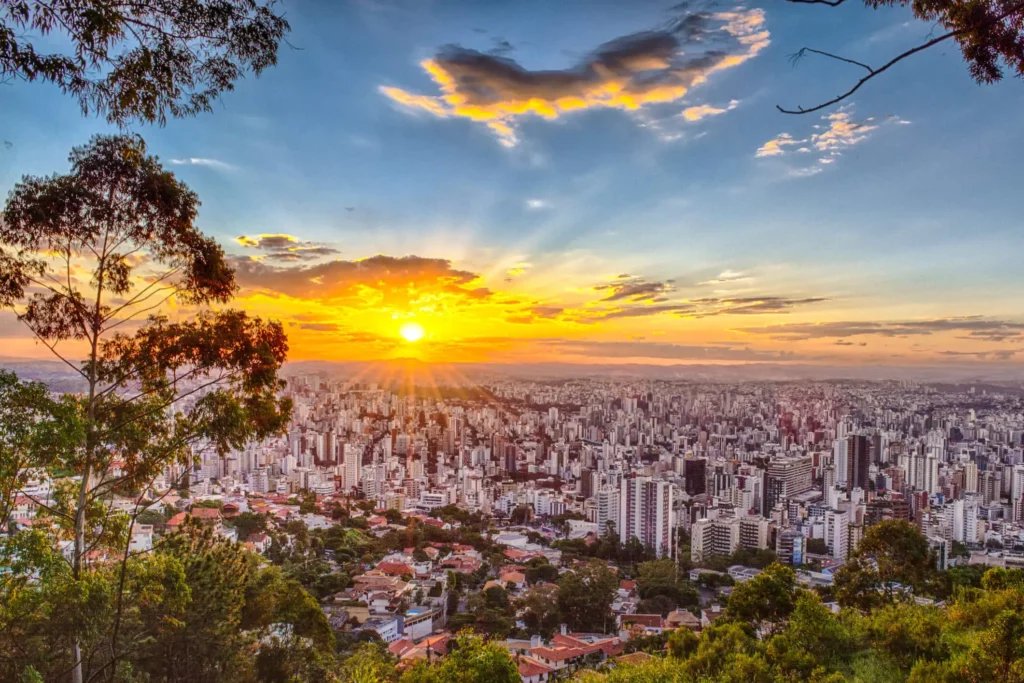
point(411, 332)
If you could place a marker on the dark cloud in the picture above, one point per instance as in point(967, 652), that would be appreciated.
point(977, 327)
point(635, 289)
point(756, 305)
point(649, 303)
point(534, 313)
point(649, 67)
point(387, 281)
point(320, 327)
point(1006, 354)
point(286, 247)
point(644, 311)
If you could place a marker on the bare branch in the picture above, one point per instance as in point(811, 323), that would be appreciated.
point(892, 62)
point(830, 3)
point(53, 349)
point(802, 52)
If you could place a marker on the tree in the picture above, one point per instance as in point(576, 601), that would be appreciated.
point(36, 428)
point(817, 546)
point(156, 397)
point(813, 643)
point(990, 34)
point(521, 514)
point(470, 659)
point(585, 596)
point(248, 523)
point(370, 663)
point(765, 601)
point(893, 553)
point(198, 607)
point(538, 610)
point(682, 643)
point(539, 569)
point(140, 61)
point(489, 612)
point(659, 578)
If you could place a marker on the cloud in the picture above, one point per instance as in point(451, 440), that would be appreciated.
point(838, 133)
point(534, 313)
point(703, 110)
point(275, 241)
point(320, 327)
point(638, 297)
point(668, 351)
point(203, 161)
point(285, 248)
point(755, 304)
point(977, 327)
point(628, 73)
point(774, 147)
point(518, 269)
point(635, 289)
point(380, 281)
point(644, 311)
point(725, 277)
point(536, 204)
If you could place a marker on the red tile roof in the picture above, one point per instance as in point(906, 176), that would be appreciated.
point(531, 667)
point(648, 620)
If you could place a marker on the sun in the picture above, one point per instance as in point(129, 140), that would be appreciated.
point(411, 332)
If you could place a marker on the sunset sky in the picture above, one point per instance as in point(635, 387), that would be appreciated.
point(589, 181)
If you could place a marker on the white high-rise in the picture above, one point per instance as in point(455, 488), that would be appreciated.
point(645, 511)
point(352, 460)
point(837, 533)
point(607, 509)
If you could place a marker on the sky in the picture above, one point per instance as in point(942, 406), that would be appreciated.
point(597, 181)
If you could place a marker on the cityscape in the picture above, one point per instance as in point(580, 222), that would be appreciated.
point(441, 341)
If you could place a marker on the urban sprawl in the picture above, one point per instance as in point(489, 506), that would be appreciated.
point(719, 480)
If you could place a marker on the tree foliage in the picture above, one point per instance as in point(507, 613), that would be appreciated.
point(585, 595)
point(83, 253)
point(139, 61)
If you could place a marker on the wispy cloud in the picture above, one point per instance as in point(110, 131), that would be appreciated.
point(727, 276)
point(704, 110)
point(629, 73)
point(284, 248)
point(537, 204)
point(977, 328)
point(204, 161)
point(828, 140)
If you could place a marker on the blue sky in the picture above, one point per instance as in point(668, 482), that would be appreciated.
point(912, 216)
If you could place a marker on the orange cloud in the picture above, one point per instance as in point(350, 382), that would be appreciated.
point(652, 67)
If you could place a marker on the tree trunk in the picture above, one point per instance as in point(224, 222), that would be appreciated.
point(77, 561)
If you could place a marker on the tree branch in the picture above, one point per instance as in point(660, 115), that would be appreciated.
point(872, 72)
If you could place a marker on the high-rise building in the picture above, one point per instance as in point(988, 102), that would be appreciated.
point(790, 548)
point(858, 460)
point(837, 533)
point(645, 511)
point(351, 466)
point(607, 509)
point(787, 477)
point(695, 476)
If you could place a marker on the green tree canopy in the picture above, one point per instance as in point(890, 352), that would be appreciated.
point(139, 61)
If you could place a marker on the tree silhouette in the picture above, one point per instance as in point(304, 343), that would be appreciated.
point(140, 60)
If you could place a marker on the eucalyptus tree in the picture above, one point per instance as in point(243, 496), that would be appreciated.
point(92, 261)
point(139, 60)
